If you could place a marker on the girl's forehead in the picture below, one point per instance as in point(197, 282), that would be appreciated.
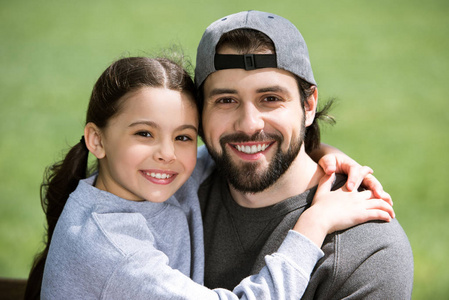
point(155, 96)
point(160, 104)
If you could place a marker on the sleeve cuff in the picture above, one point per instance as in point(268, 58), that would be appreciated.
point(301, 251)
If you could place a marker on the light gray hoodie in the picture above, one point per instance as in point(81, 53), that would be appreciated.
point(105, 247)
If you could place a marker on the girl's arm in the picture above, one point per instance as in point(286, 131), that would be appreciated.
point(147, 275)
point(338, 210)
point(332, 160)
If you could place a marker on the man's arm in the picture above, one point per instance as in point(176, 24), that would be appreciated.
point(369, 261)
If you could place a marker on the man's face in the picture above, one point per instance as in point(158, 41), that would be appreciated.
point(253, 125)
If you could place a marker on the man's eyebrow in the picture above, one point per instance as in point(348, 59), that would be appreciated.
point(275, 89)
point(219, 91)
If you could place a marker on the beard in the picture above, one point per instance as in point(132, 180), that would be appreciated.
point(245, 177)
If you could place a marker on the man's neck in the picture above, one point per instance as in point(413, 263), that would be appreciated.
point(302, 175)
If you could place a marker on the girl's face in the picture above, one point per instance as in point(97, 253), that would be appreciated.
point(149, 147)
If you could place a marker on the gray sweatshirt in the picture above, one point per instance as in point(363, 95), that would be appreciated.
point(105, 247)
point(373, 260)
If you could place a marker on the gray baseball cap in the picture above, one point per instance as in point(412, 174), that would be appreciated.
point(291, 49)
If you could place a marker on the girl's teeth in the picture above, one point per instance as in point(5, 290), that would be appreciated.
point(158, 175)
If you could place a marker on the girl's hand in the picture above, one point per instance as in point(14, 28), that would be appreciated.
point(338, 162)
point(338, 210)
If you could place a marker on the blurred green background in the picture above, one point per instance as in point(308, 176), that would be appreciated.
point(386, 62)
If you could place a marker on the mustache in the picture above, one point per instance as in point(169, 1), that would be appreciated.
point(240, 137)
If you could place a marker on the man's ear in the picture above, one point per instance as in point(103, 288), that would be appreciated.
point(310, 106)
point(93, 138)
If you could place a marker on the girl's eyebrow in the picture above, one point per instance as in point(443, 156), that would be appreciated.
point(187, 126)
point(155, 125)
point(148, 123)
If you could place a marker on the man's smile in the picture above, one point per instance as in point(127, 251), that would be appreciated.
point(250, 150)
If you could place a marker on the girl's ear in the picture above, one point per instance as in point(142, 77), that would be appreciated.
point(310, 107)
point(93, 138)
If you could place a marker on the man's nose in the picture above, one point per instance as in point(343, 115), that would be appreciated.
point(249, 119)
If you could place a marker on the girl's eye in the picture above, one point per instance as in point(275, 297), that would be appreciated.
point(144, 133)
point(183, 138)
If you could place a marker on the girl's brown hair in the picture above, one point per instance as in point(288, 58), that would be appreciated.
point(121, 77)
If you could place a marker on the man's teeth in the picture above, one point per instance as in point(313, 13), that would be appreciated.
point(252, 149)
point(158, 175)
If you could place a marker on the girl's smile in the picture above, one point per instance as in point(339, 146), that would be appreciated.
point(159, 177)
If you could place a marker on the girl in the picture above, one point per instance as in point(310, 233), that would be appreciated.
point(121, 233)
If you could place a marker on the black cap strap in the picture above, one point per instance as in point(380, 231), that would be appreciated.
point(245, 61)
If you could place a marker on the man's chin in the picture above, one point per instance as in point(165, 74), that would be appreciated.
point(250, 184)
point(249, 177)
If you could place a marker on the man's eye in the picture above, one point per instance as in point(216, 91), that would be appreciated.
point(144, 133)
point(271, 99)
point(225, 100)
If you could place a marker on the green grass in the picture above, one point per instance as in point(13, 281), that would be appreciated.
point(387, 63)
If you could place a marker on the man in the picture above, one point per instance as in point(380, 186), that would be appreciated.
point(258, 99)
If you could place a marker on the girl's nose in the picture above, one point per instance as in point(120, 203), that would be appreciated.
point(166, 152)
